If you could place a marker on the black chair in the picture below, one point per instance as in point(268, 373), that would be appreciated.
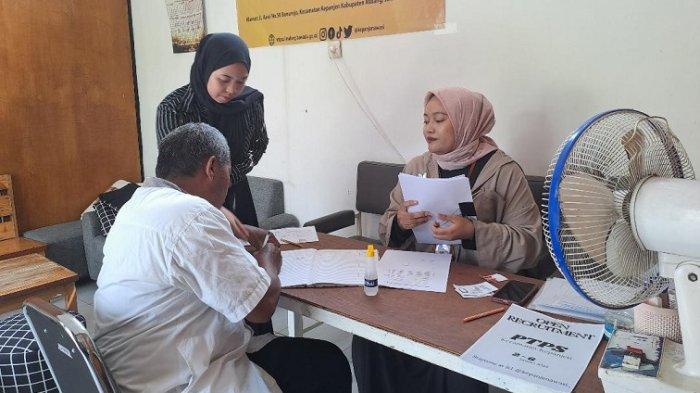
point(375, 180)
point(72, 356)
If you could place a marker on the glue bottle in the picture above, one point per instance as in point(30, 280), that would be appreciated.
point(371, 278)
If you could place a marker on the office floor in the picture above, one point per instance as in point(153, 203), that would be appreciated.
point(86, 292)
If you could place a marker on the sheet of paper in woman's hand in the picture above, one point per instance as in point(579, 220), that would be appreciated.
point(437, 196)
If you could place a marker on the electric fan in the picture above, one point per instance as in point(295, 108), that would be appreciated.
point(622, 219)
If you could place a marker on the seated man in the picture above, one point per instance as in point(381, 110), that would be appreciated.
point(176, 286)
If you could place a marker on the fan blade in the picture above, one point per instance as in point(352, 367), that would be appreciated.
point(588, 208)
point(633, 142)
point(625, 259)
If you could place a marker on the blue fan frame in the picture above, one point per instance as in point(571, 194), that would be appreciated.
point(554, 214)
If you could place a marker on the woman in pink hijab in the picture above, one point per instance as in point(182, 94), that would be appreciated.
point(500, 230)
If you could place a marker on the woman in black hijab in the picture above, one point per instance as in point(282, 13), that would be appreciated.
point(217, 95)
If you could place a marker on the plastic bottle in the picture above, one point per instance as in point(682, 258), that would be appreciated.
point(371, 278)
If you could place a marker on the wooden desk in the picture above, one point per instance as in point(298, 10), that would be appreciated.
point(19, 246)
point(35, 275)
point(426, 325)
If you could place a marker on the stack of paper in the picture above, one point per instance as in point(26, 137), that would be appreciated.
point(330, 267)
point(437, 196)
point(420, 271)
point(558, 297)
point(483, 289)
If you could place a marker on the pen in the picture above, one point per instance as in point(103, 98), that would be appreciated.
point(483, 314)
point(264, 243)
point(291, 243)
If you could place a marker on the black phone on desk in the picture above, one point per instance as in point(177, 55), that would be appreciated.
point(517, 292)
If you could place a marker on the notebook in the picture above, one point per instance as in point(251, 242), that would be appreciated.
point(309, 266)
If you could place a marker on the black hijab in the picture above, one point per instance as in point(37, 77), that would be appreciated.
point(216, 51)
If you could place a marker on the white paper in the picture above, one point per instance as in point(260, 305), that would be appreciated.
point(558, 297)
point(340, 267)
point(420, 271)
point(296, 267)
point(496, 277)
point(482, 289)
point(437, 196)
point(536, 348)
point(296, 235)
point(311, 267)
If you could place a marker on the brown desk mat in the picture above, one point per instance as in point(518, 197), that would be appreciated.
point(434, 319)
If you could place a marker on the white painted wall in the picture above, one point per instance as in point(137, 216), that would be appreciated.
point(545, 65)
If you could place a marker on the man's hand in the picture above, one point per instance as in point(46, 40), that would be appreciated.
point(269, 258)
point(239, 229)
point(458, 228)
point(408, 220)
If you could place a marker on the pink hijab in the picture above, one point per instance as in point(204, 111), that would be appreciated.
point(472, 118)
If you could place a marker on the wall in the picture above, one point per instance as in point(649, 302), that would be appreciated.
point(546, 66)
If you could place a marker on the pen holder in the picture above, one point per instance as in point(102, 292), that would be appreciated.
point(657, 321)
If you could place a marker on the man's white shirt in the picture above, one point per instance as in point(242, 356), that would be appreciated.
point(173, 291)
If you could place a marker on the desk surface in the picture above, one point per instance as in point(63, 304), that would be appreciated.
point(18, 246)
point(434, 319)
point(30, 273)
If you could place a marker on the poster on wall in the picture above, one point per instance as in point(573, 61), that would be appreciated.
point(186, 24)
point(281, 22)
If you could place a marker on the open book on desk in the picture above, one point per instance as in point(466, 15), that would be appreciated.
point(309, 266)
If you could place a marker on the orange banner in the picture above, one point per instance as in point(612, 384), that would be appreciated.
point(282, 22)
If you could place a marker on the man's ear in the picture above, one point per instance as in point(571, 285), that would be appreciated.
point(210, 167)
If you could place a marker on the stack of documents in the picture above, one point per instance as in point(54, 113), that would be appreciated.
point(437, 196)
point(558, 297)
point(483, 289)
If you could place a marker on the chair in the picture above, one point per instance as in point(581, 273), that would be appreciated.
point(375, 180)
point(73, 358)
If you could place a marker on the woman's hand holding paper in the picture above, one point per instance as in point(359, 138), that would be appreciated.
point(407, 220)
point(456, 228)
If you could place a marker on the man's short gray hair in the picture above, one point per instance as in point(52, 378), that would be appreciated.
point(183, 151)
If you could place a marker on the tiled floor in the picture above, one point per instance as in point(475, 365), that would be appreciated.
point(86, 291)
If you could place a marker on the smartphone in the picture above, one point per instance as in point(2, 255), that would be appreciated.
point(517, 292)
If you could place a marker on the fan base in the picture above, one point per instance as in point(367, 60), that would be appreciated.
point(667, 381)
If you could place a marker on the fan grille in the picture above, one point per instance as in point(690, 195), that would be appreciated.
point(591, 179)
